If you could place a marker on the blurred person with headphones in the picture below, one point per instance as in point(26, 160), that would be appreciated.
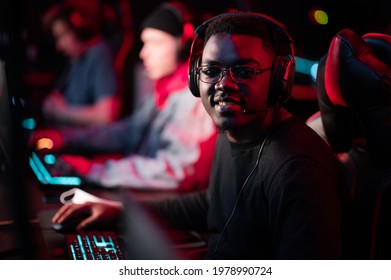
point(167, 142)
point(86, 93)
point(276, 190)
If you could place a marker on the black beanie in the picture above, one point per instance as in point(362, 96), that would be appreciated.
point(166, 18)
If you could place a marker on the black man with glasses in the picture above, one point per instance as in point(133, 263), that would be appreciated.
point(276, 190)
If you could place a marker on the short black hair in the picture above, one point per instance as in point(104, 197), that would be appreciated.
point(236, 23)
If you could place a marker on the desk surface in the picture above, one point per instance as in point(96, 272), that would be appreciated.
point(44, 202)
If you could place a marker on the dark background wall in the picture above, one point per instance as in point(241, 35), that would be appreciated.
point(311, 39)
point(20, 20)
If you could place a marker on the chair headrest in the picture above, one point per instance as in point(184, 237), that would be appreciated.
point(354, 91)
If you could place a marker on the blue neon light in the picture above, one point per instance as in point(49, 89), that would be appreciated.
point(28, 123)
point(306, 66)
point(45, 177)
point(49, 159)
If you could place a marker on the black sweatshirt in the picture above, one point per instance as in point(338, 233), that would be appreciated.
point(294, 205)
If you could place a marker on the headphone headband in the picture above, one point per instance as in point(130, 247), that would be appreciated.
point(279, 27)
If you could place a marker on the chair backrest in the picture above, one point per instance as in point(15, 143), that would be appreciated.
point(119, 32)
point(354, 92)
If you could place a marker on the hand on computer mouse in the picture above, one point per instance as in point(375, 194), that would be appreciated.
point(96, 214)
point(69, 226)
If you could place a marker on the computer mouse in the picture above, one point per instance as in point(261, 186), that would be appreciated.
point(67, 227)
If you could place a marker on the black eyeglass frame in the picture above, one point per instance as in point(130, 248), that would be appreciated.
point(219, 77)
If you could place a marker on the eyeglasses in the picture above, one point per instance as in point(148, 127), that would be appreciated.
point(241, 74)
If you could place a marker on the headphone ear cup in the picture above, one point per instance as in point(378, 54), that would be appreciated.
point(281, 80)
point(193, 80)
point(84, 25)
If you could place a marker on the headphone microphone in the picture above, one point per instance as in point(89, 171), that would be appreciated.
point(249, 111)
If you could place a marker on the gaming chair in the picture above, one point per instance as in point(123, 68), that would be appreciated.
point(354, 91)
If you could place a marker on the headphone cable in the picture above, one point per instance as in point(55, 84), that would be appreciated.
point(241, 191)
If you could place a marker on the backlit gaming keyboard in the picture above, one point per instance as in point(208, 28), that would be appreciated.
point(94, 245)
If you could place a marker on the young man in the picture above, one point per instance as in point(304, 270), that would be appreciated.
point(168, 142)
point(276, 189)
point(86, 94)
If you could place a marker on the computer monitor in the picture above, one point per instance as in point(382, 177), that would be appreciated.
point(15, 210)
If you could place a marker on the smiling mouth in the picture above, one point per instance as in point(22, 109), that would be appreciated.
point(226, 106)
point(226, 103)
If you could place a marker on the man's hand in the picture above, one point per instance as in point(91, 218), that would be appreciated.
point(100, 213)
point(55, 106)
